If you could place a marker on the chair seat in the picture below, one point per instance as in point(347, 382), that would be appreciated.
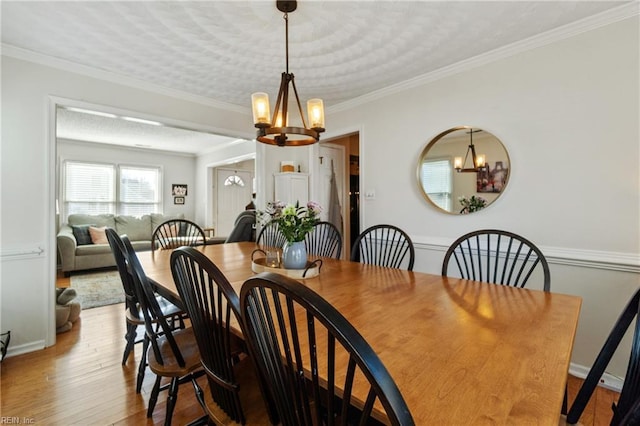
point(186, 341)
point(251, 399)
point(168, 310)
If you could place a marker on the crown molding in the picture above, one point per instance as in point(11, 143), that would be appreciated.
point(570, 30)
point(64, 65)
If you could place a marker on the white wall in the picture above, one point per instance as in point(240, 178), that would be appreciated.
point(27, 167)
point(567, 114)
point(177, 168)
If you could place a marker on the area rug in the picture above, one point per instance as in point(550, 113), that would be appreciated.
point(98, 288)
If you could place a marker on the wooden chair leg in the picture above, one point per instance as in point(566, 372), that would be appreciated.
point(142, 367)
point(153, 398)
point(199, 393)
point(131, 341)
point(171, 400)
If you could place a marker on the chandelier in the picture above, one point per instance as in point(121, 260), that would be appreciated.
point(478, 160)
point(277, 130)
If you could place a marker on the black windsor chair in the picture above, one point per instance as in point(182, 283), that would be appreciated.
point(384, 245)
point(172, 353)
point(213, 306)
point(324, 240)
point(288, 326)
point(133, 314)
point(498, 257)
point(270, 236)
point(627, 411)
point(176, 233)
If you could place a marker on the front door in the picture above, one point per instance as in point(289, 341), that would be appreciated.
point(233, 190)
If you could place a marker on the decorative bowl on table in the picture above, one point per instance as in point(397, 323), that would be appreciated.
point(259, 264)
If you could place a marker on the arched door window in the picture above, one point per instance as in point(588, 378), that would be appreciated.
point(234, 180)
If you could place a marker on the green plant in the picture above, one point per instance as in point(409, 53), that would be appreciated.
point(472, 204)
point(294, 221)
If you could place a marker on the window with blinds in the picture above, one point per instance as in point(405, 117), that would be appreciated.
point(139, 190)
point(97, 188)
point(436, 176)
point(89, 188)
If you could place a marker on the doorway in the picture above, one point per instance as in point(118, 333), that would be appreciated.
point(70, 120)
point(335, 157)
point(354, 197)
point(234, 190)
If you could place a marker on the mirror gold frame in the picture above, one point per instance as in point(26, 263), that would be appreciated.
point(483, 185)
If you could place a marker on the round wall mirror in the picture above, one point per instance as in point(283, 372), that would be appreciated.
point(463, 170)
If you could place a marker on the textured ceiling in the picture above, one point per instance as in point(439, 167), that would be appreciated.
point(226, 50)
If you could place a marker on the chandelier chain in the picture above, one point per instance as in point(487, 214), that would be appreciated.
point(286, 40)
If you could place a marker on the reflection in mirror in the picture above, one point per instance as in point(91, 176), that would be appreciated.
point(463, 170)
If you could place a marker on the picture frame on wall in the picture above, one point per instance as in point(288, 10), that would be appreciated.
point(179, 190)
point(178, 200)
point(493, 179)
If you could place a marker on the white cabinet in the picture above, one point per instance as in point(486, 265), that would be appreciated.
point(292, 187)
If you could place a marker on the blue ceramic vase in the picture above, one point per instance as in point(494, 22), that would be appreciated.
point(294, 255)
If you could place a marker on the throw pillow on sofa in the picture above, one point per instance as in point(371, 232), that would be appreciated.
point(81, 232)
point(98, 235)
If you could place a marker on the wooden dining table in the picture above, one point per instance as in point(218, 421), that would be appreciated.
point(461, 352)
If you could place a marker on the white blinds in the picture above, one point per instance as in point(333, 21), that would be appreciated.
point(139, 190)
point(437, 182)
point(91, 188)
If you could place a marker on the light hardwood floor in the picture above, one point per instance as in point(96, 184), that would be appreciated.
point(80, 380)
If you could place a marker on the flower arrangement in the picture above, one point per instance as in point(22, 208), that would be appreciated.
point(295, 221)
point(472, 204)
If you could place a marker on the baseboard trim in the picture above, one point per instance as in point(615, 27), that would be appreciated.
point(25, 348)
point(607, 380)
